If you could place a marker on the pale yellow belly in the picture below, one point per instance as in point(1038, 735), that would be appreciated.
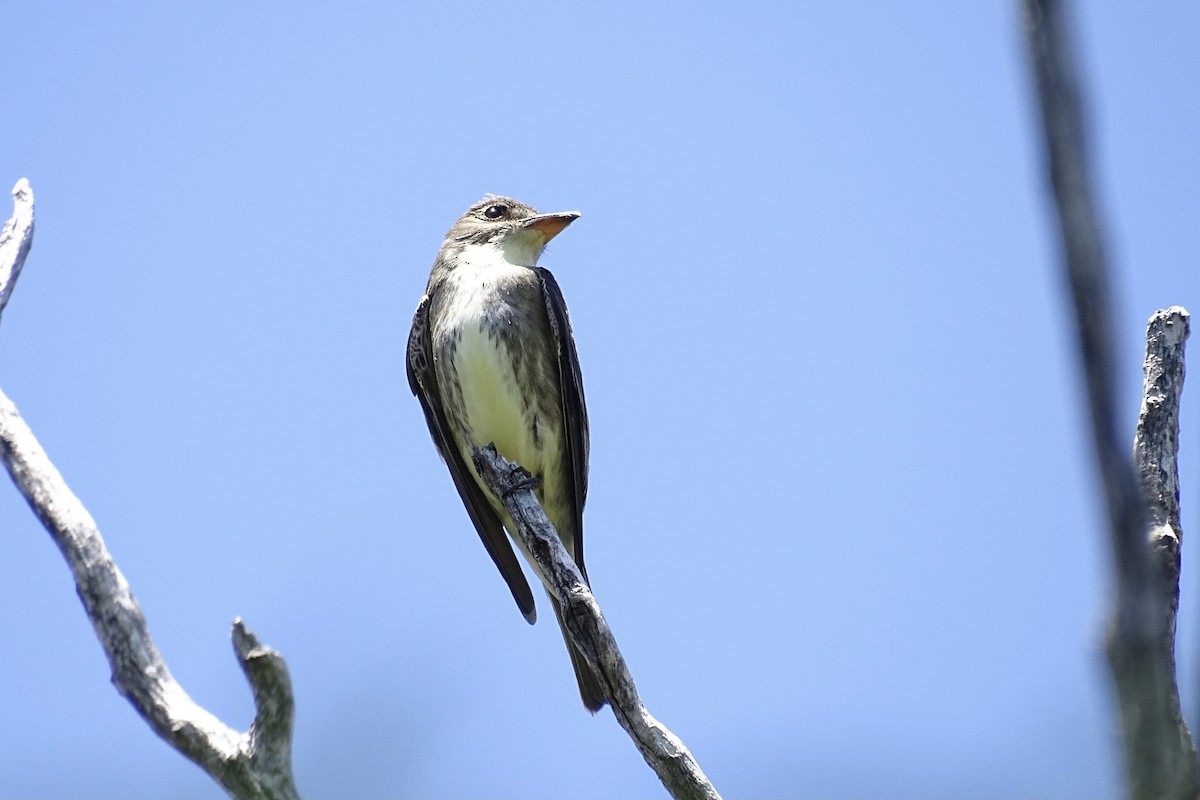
point(495, 407)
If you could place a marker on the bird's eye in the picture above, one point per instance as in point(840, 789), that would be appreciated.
point(495, 212)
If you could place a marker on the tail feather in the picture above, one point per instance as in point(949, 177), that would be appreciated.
point(589, 687)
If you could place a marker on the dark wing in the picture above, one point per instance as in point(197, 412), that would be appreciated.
point(574, 407)
point(423, 382)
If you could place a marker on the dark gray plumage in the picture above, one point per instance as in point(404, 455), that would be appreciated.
point(491, 357)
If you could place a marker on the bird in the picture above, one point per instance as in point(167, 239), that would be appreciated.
point(491, 357)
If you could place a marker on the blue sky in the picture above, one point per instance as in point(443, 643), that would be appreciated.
point(842, 515)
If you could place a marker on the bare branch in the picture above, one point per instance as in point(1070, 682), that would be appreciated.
point(1159, 747)
point(663, 751)
point(1156, 448)
point(15, 240)
point(255, 764)
point(1087, 276)
point(1160, 755)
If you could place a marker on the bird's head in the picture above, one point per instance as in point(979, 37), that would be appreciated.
point(517, 230)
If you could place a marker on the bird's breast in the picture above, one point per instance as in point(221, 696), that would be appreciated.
point(495, 366)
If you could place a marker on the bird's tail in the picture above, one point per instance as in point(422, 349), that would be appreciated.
point(589, 688)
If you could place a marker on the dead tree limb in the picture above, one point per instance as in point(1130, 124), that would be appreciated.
point(16, 237)
point(585, 624)
point(252, 764)
point(1159, 753)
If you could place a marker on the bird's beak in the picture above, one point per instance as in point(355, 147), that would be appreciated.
point(550, 225)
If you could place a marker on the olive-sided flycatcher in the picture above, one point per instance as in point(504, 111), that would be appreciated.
point(492, 359)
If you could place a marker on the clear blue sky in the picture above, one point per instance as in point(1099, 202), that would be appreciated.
point(842, 514)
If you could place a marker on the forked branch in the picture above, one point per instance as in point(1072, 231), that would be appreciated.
point(252, 764)
point(1160, 755)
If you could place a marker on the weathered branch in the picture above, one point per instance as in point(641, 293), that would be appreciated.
point(15, 240)
point(1160, 755)
point(255, 764)
point(585, 624)
point(1156, 451)
point(1159, 747)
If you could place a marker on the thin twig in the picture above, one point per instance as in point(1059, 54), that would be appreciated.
point(663, 751)
point(255, 764)
point(1160, 756)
